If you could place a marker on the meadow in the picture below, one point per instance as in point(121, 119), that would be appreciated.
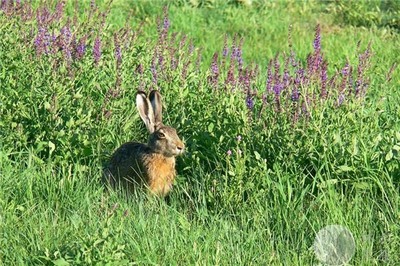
point(289, 111)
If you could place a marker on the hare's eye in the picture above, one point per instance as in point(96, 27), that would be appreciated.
point(161, 135)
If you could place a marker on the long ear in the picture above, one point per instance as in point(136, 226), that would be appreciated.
point(145, 110)
point(156, 102)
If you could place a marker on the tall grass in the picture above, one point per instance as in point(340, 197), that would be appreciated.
point(287, 132)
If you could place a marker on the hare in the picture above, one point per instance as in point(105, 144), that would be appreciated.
point(152, 165)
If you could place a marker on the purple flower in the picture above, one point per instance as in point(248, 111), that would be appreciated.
point(390, 72)
point(345, 70)
point(97, 50)
point(249, 101)
point(324, 79)
point(225, 50)
point(341, 99)
point(229, 152)
point(214, 70)
point(230, 77)
point(295, 94)
point(81, 48)
point(66, 35)
point(191, 47)
point(117, 51)
point(42, 41)
point(166, 24)
point(269, 77)
point(239, 138)
point(317, 39)
point(59, 10)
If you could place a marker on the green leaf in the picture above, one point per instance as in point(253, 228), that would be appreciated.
point(258, 156)
point(398, 136)
point(345, 168)
point(60, 262)
point(52, 147)
point(327, 183)
point(210, 127)
point(389, 155)
point(362, 185)
point(47, 106)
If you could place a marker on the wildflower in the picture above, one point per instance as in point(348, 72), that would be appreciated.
point(42, 41)
point(390, 72)
point(345, 70)
point(229, 152)
point(225, 50)
point(66, 35)
point(182, 42)
point(341, 99)
point(239, 138)
point(81, 48)
point(230, 77)
point(324, 78)
point(214, 70)
point(97, 50)
point(59, 10)
point(117, 51)
point(191, 47)
point(317, 39)
point(269, 77)
point(166, 24)
point(239, 56)
point(249, 101)
point(295, 94)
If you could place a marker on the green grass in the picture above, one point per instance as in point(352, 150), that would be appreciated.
point(264, 204)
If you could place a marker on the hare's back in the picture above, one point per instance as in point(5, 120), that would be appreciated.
point(127, 160)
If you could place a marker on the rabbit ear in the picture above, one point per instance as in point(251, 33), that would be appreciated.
point(155, 99)
point(145, 110)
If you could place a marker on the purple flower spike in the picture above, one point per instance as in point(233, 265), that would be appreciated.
point(81, 48)
point(341, 99)
point(166, 24)
point(214, 70)
point(42, 41)
point(97, 50)
point(345, 70)
point(117, 52)
point(324, 79)
point(295, 95)
point(317, 39)
point(249, 101)
point(225, 50)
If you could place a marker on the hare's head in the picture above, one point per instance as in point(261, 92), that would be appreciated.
point(163, 139)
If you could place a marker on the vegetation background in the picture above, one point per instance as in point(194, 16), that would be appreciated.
point(289, 110)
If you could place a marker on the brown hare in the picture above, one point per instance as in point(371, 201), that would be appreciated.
point(152, 165)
